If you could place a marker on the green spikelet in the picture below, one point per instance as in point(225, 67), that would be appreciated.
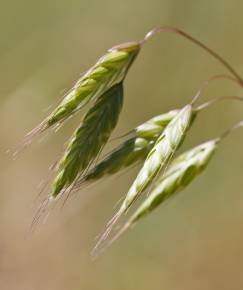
point(89, 138)
point(164, 148)
point(110, 70)
point(131, 151)
point(180, 173)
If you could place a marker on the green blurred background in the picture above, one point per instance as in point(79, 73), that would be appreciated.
point(195, 241)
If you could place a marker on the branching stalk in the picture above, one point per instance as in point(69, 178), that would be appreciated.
point(196, 42)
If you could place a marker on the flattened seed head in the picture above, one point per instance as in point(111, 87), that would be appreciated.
point(89, 138)
point(109, 70)
point(164, 148)
point(180, 173)
point(131, 151)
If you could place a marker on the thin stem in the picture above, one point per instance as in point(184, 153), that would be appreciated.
point(195, 41)
point(230, 130)
point(208, 81)
point(218, 99)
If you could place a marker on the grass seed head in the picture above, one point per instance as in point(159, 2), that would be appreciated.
point(131, 151)
point(165, 146)
point(89, 139)
point(110, 69)
point(163, 150)
point(180, 173)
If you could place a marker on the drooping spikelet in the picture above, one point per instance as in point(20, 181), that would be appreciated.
point(136, 148)
point(180, 173)
point(163, 150)
point(89, 138)
point(110, 70)
point(131, 151)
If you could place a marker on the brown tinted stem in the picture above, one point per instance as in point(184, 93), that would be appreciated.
point(205, 84)
point(196, 42)
point(230, 130)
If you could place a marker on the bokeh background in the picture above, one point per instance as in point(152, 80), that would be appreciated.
point(195, 241)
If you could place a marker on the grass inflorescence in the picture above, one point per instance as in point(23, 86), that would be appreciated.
point(129, 152)
point(157, 159)
point(110, 69)
point(89, 139)
point(152, 143)
point(179, 174)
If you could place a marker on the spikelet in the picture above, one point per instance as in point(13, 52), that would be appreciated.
point(136, 148)
point(131, 151)
point(89, 138)
point(110, 70)
point(180, 173)
point(163, 150)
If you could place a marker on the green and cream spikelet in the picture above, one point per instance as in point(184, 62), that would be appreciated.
point(180, 173)
point(157, 159)
point(136, 148)
point(89, 139)
point(110, 70)
point(130, 152)
point(165, 146)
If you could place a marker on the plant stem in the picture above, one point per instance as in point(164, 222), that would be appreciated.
point(195, 41)
point(208, 81)
point(218, 99)
point(230, 130)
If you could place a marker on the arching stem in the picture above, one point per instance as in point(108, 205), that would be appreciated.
point(196, 42)
point(230, 130)
point(205, 84)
